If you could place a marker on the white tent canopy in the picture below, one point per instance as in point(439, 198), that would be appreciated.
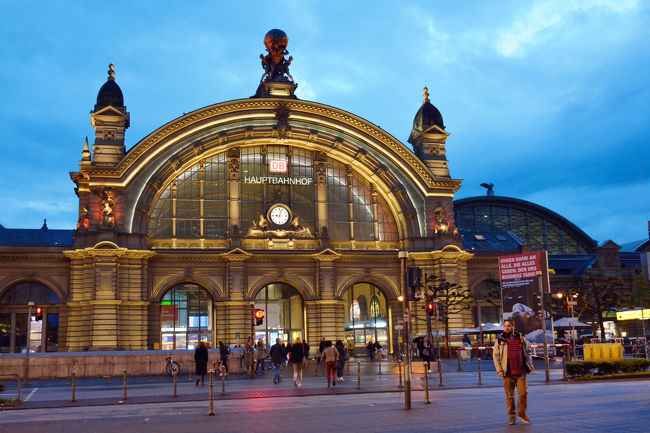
point(567, 322)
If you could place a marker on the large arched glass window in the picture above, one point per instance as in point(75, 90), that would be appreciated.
point(186, 317)
point(14, 311)
point(197, 203)
point(365, 321)
point(284, 313)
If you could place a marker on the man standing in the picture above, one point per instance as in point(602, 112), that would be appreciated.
point(513, 361)
point(278, 355)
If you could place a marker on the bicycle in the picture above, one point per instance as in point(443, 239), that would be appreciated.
point(172, 367)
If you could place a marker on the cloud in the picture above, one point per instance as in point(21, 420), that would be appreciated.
point(532, 28)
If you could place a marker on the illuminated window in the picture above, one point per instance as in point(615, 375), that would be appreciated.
point(185, 317)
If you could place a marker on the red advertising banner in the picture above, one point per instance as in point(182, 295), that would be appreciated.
point(519, 266)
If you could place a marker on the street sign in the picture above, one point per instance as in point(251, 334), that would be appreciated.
point(399, 327)
point(572, 303)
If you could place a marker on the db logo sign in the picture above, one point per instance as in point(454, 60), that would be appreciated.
point(278, 166)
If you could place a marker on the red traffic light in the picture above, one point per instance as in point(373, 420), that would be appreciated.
point(431, 308)
point(39, 313)
point(259, 316)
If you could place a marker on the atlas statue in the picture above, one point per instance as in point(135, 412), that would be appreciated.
point(274, 64)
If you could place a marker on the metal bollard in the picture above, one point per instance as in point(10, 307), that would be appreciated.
point(150, 378)
point(399, 367)
point(358, 375)
point(110, 372)
point(480, 381)
point(175, 384)
point(379, 365)
point(19, 379)
point(426, 387)
point(564, 359)
point(223, 380)
point(211, 373)
point(124, 398)
point(460, 362)
point(74, 386)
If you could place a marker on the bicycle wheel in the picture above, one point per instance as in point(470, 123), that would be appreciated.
point(173, 368)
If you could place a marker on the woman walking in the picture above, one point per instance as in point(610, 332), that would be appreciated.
point(201, 362)
point(343, 356)
point(297, 359)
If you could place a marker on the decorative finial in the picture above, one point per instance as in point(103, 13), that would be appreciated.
point(85, 154)
point(426, 95)
point(44, 224)
point(111, 71)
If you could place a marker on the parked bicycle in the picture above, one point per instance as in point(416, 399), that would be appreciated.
point(172, 367)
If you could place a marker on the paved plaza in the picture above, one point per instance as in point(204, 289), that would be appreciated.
point(461, 405)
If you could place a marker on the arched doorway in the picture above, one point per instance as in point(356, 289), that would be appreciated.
point(14, 309)
point(186, 317)
point(284, 313)
point(366, 317)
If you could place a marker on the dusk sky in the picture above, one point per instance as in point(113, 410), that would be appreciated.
point(549, 100)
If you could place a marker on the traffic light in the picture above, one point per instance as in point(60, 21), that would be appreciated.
point(431, 308)
point(39, 313)
point(258, 315)
point(414, 276)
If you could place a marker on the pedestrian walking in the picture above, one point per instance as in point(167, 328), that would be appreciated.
point(343, 356)
point(201, 362)
point(224, 352)
point(249, 357)
point(321, 348)
point(298, 356)
point(426, 353)
point(513, 360)
point(278, 355)
point(371, 350)
point(330, 357)
point(261, 356)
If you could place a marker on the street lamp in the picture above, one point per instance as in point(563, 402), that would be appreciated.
point(571, 301)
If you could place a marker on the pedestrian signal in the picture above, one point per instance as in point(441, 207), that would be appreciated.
point(258, 316)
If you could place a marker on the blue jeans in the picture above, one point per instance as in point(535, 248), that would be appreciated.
point(277, 365)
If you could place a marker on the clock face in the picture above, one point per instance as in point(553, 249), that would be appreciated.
point(279, 215)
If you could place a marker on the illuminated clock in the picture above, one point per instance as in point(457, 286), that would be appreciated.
point(279, 214)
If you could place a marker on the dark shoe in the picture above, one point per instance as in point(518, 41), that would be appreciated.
point(334, 382)
point(275, 381)
point(512, 420)
point(197, 382)
point(524, 419)
point(328, 385)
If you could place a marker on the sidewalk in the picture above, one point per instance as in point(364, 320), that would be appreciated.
point(99, 392)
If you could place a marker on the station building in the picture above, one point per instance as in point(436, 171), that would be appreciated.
point(300, 209)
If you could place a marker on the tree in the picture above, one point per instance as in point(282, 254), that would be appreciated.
point(451, 299)
point(640, 296)
point(597, 295)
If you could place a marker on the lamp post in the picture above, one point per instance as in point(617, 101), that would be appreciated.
point(403, 255)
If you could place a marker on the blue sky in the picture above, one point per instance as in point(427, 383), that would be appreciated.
point(548, 100)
